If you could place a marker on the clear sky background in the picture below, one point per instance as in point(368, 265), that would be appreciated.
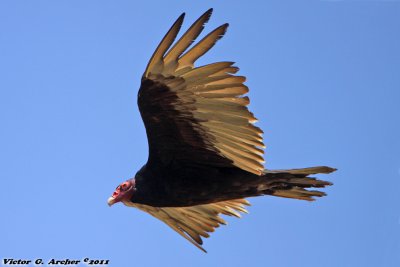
point(324, 80)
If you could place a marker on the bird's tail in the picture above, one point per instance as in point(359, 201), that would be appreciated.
point(294, 183)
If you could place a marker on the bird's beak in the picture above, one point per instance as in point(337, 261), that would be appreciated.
point(111, 201)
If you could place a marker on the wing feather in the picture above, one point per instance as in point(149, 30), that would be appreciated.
point(231, 70)
point(198, 114)
point(205, 71)
point(156, 61)
point(195, 222)
point(171, 58)
point(188, 59)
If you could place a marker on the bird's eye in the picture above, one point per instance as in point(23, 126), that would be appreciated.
point(124, 186)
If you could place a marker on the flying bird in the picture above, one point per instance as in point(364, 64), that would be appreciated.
point(205, 153)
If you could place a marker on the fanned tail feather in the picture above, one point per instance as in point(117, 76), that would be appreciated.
point(293, 183)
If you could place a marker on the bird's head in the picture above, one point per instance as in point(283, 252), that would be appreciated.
point(123, 192)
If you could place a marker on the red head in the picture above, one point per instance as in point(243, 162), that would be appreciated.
point(123, 192)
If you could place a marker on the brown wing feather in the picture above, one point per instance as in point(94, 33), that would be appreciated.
point(198, 114)
point(156, 62)
point(171, 58)
point(195, 222)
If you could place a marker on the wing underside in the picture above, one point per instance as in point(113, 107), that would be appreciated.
point(195, 222)
point(198, 113)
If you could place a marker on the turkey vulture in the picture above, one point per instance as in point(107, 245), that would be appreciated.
point(205, 154)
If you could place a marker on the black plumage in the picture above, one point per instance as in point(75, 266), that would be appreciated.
point(205, 154)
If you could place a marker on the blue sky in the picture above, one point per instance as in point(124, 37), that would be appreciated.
point(324, 82)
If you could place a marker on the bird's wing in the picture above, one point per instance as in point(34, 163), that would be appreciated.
point(197, 114)
point(195, 222)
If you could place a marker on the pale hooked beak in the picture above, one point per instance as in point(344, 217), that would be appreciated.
point(111, 201)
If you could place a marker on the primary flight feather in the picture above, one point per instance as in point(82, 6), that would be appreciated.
point(205, 154)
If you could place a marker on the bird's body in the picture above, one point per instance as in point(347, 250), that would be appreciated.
point(205, 154)
point(182, 186)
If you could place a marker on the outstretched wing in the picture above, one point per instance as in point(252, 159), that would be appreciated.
point(197, 114)
point(195, 222)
